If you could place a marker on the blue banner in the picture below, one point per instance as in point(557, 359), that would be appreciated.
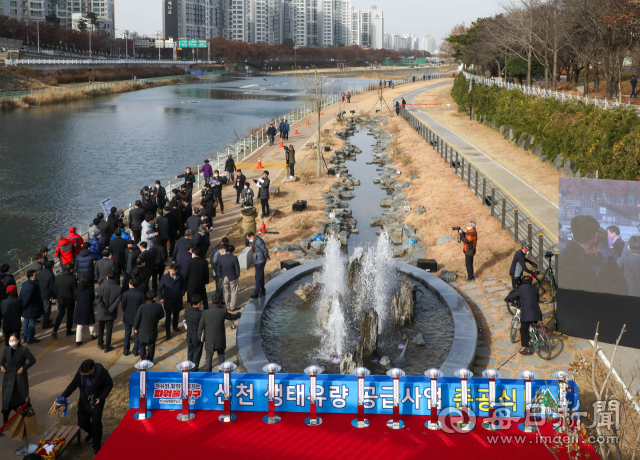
point(335, 393)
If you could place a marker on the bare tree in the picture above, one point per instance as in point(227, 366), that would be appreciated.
point(316, 86)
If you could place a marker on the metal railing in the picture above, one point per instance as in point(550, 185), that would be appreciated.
point(239, 151)
point(513, 219)
point(13, 62)
point(18, 95)
point(562, 96)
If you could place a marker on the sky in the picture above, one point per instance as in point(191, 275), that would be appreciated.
point(418, 17)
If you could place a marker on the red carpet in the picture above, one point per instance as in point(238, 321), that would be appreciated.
point(164, 437)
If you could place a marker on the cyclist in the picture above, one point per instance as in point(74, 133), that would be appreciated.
point(529, 310)
point(519, 264)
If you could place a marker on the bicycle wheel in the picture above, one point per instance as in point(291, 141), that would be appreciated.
point(512, 306)
point(543, 343)
point(515, 325)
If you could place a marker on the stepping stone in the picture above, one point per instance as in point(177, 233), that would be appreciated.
point(467, 286)
point(499, 326)
point(532, 361)
point(504, 352)
point(475, 299)
point(502, 343)
point(480, 305)
point(486, 361)
point(488, 283)
point(505, 373)
point(581, 344)
point(472, 292)
point(173, 359)
point(483, 352)
point(563, 359)
point(498, 304)
point(513, 365)
point(504, 293)
point(163, 367)
point(489, 277)
point(494, 288)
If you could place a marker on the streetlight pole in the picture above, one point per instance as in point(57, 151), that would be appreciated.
point(126, 47)
point(38, 28)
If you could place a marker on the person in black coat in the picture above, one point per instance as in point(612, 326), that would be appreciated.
point(130, 255)
point(109, 296)
point(15, 362)
point(130, 303)
point(263, 192)
point(161, 226)
point(83, 315)
point(136, 217)
point(118, 249)
point(184, 259)
point(228, 270)
point(216, 185)
point(64, 289)
point(519, 265)
point(186, 210)
point(112, 224)
point(33, 306)
point(192, 315)
point(6, 279)
point(530, 310)
point(146, 325)
point(172, 226)
point(197, 276)
point(215, 340)
point(189, 179)
point(613, 232)
point(194, 222)
point(11, 308)
point(85, 263)
point(94, 384)
point(240, 180)
point(171, 289)
point(201, 240)
point(46, 279)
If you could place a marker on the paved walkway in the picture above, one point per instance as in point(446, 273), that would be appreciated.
point(528, 198)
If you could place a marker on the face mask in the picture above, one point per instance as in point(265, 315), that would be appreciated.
point(215, 175)
point(13, 344)
point(468, 228)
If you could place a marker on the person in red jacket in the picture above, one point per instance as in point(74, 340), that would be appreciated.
point(65, 252)
point(76, 240)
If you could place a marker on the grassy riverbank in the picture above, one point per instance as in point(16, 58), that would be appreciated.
point(74, 93)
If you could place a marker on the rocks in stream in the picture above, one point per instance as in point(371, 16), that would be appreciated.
point(368, 341)
point(402, 304)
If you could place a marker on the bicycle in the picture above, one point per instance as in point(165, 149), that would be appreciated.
point(539, 336)
point(539, 280)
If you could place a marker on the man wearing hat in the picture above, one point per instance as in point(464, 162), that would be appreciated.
point(76, 240)
point(6, 279)
point(11, 308)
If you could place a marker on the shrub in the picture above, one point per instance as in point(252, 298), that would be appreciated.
point(604, 140)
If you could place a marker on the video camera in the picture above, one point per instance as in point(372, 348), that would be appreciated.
point(456, 229)
point(549, 255)
point(92, 401)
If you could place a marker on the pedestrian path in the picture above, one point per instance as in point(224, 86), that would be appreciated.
point(528, 198)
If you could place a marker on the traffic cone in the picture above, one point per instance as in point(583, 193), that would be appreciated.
point(322, 112)
point(296, 131)
point(307, 121)
point(281, 143)
point(259, 163)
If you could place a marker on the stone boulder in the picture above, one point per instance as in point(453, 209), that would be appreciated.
point(309, 291)
point(537, 150)
point(444, 239)
point(355, 268)
point(419, 340)
point(376, 222)
point(402, 303)
point(447, 276)
point(420, 210)
point(368, 341)
point(557, 162)
point(324, 313)
point(348, 362)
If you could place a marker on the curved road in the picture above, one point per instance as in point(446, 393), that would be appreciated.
point(535, 204)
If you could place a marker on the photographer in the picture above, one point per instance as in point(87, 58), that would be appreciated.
point(290, 158)
point(470, 241)
point(530, 310)
point(263, 193)
point(519, 264)
point(240, 180)
point(208, 200)
point(94, 383)
point(160, 194)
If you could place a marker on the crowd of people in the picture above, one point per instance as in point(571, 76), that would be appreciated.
point(140, 271)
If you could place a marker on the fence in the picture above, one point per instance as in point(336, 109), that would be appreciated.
point(516, 221)
point(12, 62)
point(18, 95)
point(243, 148)
point(562, 96)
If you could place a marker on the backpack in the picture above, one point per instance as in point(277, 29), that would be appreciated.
point(75, 243)
point(96, 247)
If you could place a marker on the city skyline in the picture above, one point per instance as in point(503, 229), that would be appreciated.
point(145, 16)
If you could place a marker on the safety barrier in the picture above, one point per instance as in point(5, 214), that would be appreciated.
point(14, 62)
point(513, 219)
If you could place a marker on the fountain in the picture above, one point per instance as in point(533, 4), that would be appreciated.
point(364, 309)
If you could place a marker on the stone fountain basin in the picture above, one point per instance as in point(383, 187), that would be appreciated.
point(462, 352)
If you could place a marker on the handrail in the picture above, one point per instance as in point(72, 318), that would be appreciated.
point(14, 62)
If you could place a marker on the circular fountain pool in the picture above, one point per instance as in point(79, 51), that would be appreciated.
point(282, 327)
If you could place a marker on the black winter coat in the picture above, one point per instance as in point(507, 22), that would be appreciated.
point(192, 317)
point(263, 191)
point(118, 248)
point(193, 223)
point(112, 225)
point(109, 295)
point(181, 247)
point(130, 256)
point(212, 323)
point(519, 264)
point(136, 217)
point(163, 227)
point(130, 303)
point(197, 276)
point(85, 262)
point(529, 297)
point(172, 291)
point(32, 300)
point(100, 387)
point(46, 280)
point(172, 223)
point(146, 322)
point(22, 358)
point(230, 165)
point(11, 309)
point(83, 315)
point(64, 287)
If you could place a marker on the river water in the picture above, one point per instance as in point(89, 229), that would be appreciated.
point(60, 162)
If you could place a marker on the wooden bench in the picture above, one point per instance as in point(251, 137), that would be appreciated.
point(67, 433)
point(274, 190)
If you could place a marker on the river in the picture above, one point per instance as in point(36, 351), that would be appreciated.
point(60, 162)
